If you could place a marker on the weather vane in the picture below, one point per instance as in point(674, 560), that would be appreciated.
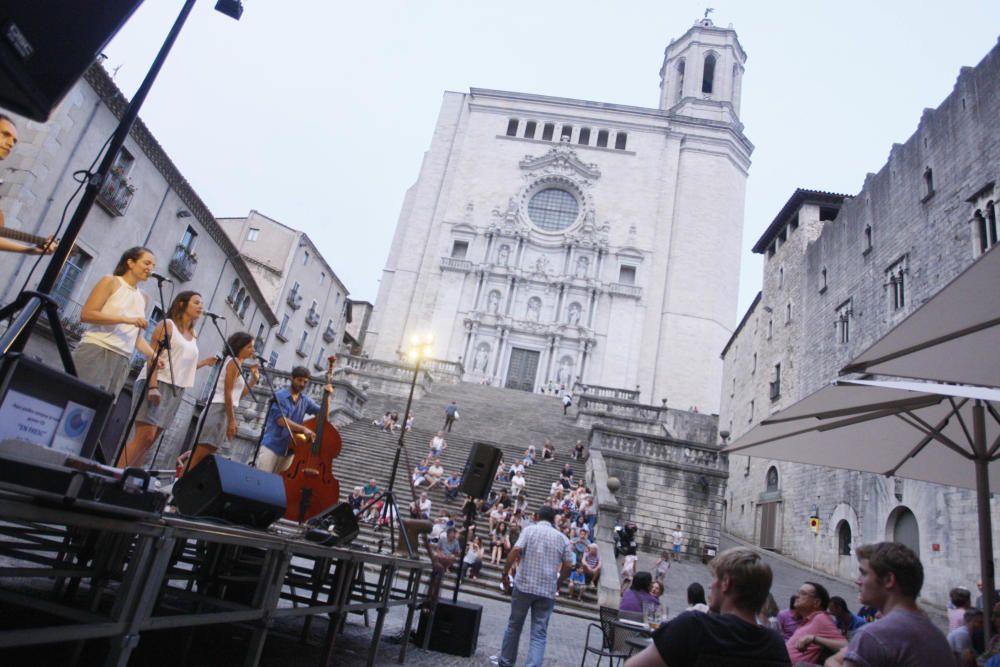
point(709, 10)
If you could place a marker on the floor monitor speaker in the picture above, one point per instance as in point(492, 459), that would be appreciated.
point(477, 480)
point(231, 491)
point(45, 47)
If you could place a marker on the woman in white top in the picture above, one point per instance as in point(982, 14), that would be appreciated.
point(220, 422)
point(116, 313)
point(165, 388)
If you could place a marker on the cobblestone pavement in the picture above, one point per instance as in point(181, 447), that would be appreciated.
point(566, 633)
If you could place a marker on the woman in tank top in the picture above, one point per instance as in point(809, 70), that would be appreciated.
point(165, 388)
point(220, 421)
point(116, 313)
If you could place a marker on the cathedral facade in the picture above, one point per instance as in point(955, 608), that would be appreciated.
point(549, 241)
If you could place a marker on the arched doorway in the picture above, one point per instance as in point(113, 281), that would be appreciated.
point(902, 527)
point(844, 538)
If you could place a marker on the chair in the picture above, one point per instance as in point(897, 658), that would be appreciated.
point(614, 638)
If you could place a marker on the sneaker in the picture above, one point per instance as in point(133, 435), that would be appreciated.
point(495, 659)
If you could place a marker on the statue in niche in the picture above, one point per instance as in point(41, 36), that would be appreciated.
point(564, 375)
point(574, 313)
point(482, 358)
point(493, 302)
point(503, 255)
point(534, 309)
point(541, 265)
point(582, 264)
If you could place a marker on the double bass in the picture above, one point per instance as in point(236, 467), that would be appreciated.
point(310, 487)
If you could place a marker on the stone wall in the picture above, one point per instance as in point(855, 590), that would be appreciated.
point(915, 214)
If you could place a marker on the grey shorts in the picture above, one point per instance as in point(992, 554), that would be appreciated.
point(101, 367)
point(213, 433)
point(164, 413)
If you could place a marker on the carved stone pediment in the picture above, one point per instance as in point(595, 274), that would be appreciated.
point(560, 160)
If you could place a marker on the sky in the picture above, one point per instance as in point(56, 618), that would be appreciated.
point(318, 113)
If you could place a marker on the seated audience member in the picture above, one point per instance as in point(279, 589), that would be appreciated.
point(656, 590)
point(638, 593)
point(438, 444)
point(592, 565)
point(515, 467)
point(473, 560)
point(452, 485)
point(993, 650)
point(386, 423)
point(423, 506)
point(370, 490)
point(817, 631)
point(440, 527)
point(356, 501)
point(529, 456)
point(789, 620)
point(420, 473)
point(890, 578)
point(846, 622)
point(567, 472)
point(960, 639)
point(434, 473)
point(696, 598)
point(578, 450)
point(517, 485)
point(503, 500)
point(580, 545)
point(501, 475)
point(961, 599)
point(729, 635)
point(450, 546)
point(548, 452)
point(577, 582)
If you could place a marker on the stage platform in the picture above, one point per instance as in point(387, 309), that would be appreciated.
point(98, 586)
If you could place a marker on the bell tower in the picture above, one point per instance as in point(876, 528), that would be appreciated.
point(702, 73)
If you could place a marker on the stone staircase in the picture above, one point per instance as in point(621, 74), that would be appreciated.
point(507, 419)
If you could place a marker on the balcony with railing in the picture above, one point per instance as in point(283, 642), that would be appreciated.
point(302, 350)
point(116, 192)
point(294, 300)
point(455, 264)
point(312, 317)
point(621, 289)
point(183, 262)
point(329, 334)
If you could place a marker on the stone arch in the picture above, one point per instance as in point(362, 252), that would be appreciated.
point(902, 527)
point(845, 528)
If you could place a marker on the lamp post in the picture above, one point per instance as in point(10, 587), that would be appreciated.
point(421, 347)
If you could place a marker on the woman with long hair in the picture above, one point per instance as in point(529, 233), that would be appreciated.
point(638, 594)
point(473, 560)
point(220, 423)
point(165, 387)
point(116, 313)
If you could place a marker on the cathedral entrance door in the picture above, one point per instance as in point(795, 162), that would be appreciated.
point(522, 369)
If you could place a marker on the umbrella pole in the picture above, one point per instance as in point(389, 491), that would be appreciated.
point(985, 519)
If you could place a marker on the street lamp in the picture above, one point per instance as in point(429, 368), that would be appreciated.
point(421, 347)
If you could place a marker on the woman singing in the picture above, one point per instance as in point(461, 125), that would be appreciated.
point(116, 313)
point(220, 422)
point(165, 388)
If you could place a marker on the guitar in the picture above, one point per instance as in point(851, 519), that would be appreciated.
point(25, 237)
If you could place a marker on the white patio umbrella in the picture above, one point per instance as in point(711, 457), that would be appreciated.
point(951, 338)
point(946, 434)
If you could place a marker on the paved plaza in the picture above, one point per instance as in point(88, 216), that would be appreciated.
point(566, 633)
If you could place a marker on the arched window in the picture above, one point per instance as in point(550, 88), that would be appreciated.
point(903, 528)
point(844, 538)
point(244, 306)
point(772, 479)
point(233, 290)
point(240, 296)
point(708, 74)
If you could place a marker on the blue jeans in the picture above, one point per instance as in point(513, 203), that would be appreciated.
point(541, 609)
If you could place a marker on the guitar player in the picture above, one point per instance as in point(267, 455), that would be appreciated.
point(8, 139)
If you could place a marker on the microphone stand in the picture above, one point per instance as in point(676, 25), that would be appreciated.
point(152, 367)
point(246, 375)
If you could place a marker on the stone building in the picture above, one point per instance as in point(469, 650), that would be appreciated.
point(553, 240)
point(839, 272)
point(144, 201)
point(300, 287)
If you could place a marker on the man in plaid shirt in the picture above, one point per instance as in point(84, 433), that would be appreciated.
point(543, 556)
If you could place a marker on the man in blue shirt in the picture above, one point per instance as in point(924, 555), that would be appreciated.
point(274, 455)
point(846, 621)
point(450, 415)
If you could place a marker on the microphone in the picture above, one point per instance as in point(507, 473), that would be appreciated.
point(214, 316)
point(160, 279)
point(261, 359)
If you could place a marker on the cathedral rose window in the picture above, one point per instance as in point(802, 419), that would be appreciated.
point(553, 209)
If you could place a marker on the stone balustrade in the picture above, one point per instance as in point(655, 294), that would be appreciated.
point(606, 392)
point(384, 377)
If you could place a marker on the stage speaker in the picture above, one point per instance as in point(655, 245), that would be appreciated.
point(455, 630)
point(231, 491)
point(45, 47)
point(114, 427)
point(480, 470)
point(338, 527)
